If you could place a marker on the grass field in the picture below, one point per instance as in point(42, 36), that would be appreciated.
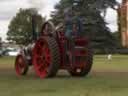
point(107, 78)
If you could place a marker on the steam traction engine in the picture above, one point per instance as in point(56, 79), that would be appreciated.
point(48, 54)
point(52, 51)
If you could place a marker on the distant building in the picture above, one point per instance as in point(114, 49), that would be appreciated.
point(123, 22)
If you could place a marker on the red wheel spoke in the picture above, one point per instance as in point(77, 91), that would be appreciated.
point(41, 68)
point(47, 64)
point(42, 58)
point(21, 65)
point(48, 60)
point(39, 46)
point(45, 71)
point(47, 50)
point(44, 48)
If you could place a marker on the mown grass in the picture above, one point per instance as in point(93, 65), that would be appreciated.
point(118, 63)
point(7, 62)
point(107, 78)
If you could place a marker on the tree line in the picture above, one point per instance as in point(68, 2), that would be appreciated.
point(93, 13)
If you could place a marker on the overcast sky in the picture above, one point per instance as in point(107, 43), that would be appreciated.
point(8, 9)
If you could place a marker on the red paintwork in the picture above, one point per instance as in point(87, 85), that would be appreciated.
point(41, 65)
point(41, 58)
point(19, 65)
point(79, 41)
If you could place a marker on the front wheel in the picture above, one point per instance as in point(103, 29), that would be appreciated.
point(21, 66)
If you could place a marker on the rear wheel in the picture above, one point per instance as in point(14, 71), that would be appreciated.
point(21, 66)
point(80, 72)
point(46, 57)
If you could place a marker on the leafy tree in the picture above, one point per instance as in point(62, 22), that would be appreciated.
point(95, 26)
point(20, 27)
point(117, 35)
point(84, 7)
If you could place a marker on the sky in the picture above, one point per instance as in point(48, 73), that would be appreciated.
point(9, 8)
